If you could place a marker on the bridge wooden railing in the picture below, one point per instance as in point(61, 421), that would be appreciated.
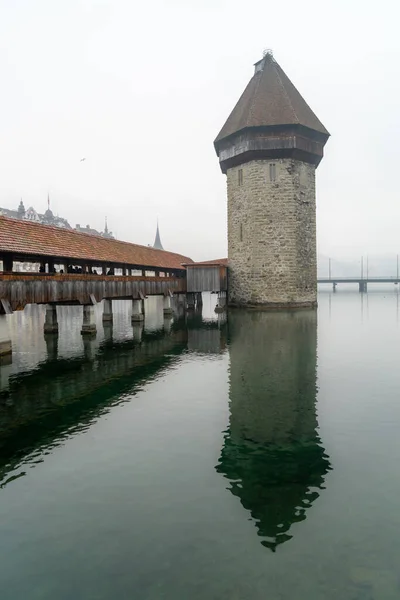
point(20, 289)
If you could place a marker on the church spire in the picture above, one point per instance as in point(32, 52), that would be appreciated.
point(157, 242)
point(21, 210)
point(48, 215)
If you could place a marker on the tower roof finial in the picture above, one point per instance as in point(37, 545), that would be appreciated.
point(268, 52)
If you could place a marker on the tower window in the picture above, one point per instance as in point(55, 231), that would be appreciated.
point(272, 172)
point(241, 232)
point(240, 176)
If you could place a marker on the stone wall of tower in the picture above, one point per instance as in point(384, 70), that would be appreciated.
point(272, 233)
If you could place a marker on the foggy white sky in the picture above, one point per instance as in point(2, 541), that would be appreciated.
point(142, 88)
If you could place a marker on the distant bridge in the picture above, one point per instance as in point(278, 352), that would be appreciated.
point(362, 281)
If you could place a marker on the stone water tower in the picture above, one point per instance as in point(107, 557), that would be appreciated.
point(269, 149)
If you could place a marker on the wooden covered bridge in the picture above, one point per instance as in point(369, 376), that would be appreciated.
point(42, 264)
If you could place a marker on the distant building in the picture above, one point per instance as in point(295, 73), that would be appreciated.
point(106, 233)
point(48, 218)
point(157, 242)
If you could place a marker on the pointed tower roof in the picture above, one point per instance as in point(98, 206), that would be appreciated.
point(21, 209)
point(157, 242)
point(270, 99)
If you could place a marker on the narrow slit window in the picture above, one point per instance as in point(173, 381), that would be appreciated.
point(241, 232)
point(240, 176)
point(272, 172)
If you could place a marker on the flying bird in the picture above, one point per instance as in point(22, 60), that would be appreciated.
point(82, 159)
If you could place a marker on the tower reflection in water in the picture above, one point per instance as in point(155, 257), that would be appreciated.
point(272, 455)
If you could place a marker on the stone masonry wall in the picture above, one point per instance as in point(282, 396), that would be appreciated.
point(272, 233)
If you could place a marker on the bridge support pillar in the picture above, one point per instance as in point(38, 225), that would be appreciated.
point(190, 299)
point(179, 304)
point(107, 311)
point(51, 346)
point(89, 347)
point(180, 300)
point(334, 284)
point(168, 323)
point(137, 329)
point(50, 320)
point(221, 303)
point(89, 320)
point(362, 286)
point(5, 338)
point(5, 372)
point(137, 311)
point(108, 331)
point(167, 306)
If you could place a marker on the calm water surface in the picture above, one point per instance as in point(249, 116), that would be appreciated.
point(254, 458)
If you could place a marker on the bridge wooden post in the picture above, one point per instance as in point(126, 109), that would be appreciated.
point(167, 306)
point(190, 300)
point(107, 311)
point(5, 338)
point(50, 320)
point(362, 286)
point(8, 263)
point(221, 303)
point(137, 311)
point(179, 304)
point(89, 321)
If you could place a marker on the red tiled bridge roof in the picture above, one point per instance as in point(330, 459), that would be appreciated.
point(33, 239)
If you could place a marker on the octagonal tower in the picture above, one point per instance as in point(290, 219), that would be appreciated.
point(269, 149)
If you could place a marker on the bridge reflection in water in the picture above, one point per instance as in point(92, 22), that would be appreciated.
point(56, 386)
point(272, 455)
point(74, 381)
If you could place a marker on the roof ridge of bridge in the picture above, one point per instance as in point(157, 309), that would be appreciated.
point(28, 238)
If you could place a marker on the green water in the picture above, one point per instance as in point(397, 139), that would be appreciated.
point(254, 458)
